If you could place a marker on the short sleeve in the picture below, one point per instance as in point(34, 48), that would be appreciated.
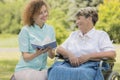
point(106, 43)
point(23, 39)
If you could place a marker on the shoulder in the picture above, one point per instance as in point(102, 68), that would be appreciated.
point(101, 33)
point(74, 33)
point(49, 27)
point(25, 29)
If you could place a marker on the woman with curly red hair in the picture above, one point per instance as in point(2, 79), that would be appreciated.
point(32, 64)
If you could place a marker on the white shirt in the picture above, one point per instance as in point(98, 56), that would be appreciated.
point(91, 42)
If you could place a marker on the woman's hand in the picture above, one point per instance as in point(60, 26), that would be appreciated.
point(27, 56)
point(40, 51)
point(84, 58)
point(51, 52)
point(74, 61)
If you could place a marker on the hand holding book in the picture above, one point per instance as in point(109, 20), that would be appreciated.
point(51, 45)
point(40, 51)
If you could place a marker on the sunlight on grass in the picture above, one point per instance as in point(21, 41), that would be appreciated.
point(117, 67)
point(9, 56)
point(7, 68)
point(8, 63)
point(118, 55)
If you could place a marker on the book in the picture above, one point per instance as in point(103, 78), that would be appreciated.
point(51, 44)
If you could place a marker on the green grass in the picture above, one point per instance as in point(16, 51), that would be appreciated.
point(9, 61)
point(118, 55)
point(8, 40)
point(117, 67)
point(7, 68)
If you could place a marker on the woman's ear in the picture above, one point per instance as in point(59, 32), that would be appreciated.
point(89, 18)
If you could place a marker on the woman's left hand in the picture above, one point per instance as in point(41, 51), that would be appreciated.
point(84, 58)
point(51, 52)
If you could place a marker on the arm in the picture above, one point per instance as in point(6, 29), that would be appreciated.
point(51, 53)
point(106, 49)
point(63, 49)
point(63, 52)
point(97, 56)
point(106, 54)
point(85, 58)
point(67, 54)
point(27, 56)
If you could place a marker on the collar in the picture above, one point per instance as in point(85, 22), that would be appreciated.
point(89, 34)
point(38, 27)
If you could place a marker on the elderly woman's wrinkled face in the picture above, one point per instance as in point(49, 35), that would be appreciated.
point(42, 16)
point(82, 22)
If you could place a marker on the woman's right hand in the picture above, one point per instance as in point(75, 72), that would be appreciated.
point(73, 60)
point(27, 56)
point(67, 54)
point(40, 51)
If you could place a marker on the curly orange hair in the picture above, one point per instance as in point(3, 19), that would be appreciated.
point(31, 9)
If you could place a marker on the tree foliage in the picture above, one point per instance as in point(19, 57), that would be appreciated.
point(57, 19)
point(109, 18)
point(60, 16)
point(10, 12)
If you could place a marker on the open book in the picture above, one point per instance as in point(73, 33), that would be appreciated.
point(51, 44)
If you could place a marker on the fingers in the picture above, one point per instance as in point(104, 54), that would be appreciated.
point(39, 51)
point(75, 62)
point(83, 59)
point(45, 50)
point(49, 47)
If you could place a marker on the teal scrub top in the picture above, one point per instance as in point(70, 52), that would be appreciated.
point(29, 35)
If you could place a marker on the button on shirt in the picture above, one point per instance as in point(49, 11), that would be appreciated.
point(34, 34)
point(91, 42)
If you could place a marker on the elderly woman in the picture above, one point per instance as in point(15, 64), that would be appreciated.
point(80, 47)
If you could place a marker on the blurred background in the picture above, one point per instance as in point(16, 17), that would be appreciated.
point(61, 14)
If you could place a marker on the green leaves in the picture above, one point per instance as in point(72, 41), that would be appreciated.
point(10, 16)
point(61, 15)
point(109, 19)
point(57, 20)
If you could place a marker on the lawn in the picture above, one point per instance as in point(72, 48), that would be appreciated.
point(9, 56)
point(8, 40)
point(9, 60)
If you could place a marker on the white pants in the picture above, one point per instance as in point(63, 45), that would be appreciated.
point(30, 74)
